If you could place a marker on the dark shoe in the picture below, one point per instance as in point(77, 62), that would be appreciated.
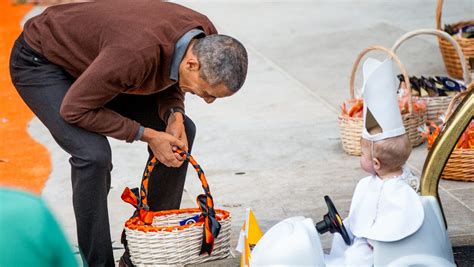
point(125, 260)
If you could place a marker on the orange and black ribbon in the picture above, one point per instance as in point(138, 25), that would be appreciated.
point(138, 198)
point(144, 185)
point(206, 204)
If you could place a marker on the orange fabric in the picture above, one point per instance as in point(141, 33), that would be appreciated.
point(129, 197)
point(23, 162)
point(209, 237)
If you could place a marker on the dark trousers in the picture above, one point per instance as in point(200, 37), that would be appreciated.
point(42, 85)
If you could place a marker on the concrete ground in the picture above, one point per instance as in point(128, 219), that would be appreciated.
point(281, 130)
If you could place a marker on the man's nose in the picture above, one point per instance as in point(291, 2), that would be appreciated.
point(209, 99)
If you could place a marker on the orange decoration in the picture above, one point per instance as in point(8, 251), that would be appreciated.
point(136, 224)
point(356, 107)
point(466, 140)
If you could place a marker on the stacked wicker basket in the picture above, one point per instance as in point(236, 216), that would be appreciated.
point(450, 55)
point(437, 105)
point(351, 127)
point(460, 165)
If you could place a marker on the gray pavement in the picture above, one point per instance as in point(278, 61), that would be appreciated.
point(281, 129)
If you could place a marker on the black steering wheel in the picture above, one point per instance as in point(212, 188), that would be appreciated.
point(332, 222)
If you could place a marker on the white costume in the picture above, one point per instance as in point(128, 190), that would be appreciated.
point(383, 210)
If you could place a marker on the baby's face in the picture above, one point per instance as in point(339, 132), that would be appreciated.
point(366, 157)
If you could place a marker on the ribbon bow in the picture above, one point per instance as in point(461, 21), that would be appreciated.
point(211, 226)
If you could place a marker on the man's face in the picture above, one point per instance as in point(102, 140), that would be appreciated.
point(190, 82)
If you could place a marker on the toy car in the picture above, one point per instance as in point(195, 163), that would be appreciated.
point(295, 241)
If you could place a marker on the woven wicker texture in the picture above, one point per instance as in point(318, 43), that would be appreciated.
point(351, 127)
point(436, 106)
point(450, 56)
point(460, 165)
point(176, 247)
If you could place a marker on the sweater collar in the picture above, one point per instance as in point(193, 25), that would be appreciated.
point(179, 51)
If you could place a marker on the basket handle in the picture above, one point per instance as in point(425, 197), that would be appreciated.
point(397, 60)
point(457, 99)
point(439, 11)
point(440, 34)
point(152, 163)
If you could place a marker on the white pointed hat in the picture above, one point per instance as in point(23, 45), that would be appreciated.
point(380, 100)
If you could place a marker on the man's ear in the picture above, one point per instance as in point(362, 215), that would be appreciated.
point(376, 163)
point(192, 63)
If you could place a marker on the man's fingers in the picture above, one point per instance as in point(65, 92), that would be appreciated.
point(175, 148)
point(180, 144)
point(178, 157)
point(171, 161)
point(164, 147)
point(176, 163)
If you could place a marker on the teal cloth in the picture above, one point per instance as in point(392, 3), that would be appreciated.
point(29, 234)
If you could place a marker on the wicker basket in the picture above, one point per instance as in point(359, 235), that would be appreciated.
point(435, 106)
point(158, 238)
point(351, 127)
point(451, 59)
point(460, 165)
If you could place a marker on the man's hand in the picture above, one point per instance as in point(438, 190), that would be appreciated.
point(176, 128)
point(163, 145)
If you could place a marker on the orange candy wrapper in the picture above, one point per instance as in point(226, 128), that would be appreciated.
point(432, 129)
point(353, 108)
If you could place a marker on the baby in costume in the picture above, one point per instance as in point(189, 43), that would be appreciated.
point(385, 205)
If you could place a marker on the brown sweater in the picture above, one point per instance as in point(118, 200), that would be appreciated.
point(113, 47)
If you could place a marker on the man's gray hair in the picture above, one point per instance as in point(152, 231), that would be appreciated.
point(222, 59)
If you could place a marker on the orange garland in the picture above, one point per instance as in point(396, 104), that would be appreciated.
point(23, 162)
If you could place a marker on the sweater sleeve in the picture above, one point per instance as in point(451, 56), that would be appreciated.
point(114, 71)
point(172, 97)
